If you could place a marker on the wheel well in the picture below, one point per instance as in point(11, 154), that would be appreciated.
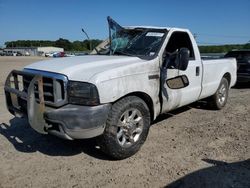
point(146, 98)
point(228, 77)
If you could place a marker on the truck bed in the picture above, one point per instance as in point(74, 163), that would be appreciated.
point(213, 71)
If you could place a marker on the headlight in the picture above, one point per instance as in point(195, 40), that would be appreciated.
point(82, 93)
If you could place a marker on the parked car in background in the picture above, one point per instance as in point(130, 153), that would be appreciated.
point(50, 54)
point(14, 53)
point(59, 54)
point(55, 54)
point(2, 53)
point(243, 64)
point(8, 53)
point(19, 54)
point(70, 55)
point(27, 53)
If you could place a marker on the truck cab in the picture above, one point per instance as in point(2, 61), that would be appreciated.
point(115, 93)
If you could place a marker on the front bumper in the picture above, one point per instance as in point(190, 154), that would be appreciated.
point(68, 121)
point(77, 122)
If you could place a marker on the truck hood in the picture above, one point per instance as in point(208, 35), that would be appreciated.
point(82, 68)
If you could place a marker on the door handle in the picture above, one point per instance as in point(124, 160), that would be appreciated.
point(197, 71)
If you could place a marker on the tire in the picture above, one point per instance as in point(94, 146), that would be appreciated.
point(126, 128)
point(219, 99)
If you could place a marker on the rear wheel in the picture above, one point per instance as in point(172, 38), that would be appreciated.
point(219, 99)
point(126, 128)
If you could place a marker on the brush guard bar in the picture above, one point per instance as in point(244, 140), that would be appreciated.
point(21, 103)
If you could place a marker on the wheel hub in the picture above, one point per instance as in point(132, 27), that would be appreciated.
point(130, 127)
point(222, 94)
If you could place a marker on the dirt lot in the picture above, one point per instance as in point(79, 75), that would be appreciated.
point(190, 147)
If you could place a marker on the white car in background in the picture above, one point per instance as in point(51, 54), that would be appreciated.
point(27, 53)
point(50, 54)
point(70, 55)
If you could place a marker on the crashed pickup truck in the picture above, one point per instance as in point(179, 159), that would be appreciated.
point(116, 92)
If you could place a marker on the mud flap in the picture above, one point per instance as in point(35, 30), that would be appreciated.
point(36, 108)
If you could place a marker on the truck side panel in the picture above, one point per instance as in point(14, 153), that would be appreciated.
point(213, 71)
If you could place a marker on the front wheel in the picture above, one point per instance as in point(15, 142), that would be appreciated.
point(126, 128)
point(219, 99)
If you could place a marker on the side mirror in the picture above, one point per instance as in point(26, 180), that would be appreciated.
point(178, 82)
point(183, 59)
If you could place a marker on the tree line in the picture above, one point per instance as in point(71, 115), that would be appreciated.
point(86, 45)
point(223, 48)
point(62, 43)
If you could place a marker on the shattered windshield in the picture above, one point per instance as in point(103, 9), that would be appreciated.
point(139, 42)
point(136, 42)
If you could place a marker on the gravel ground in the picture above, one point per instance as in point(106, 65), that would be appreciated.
point(189, 147)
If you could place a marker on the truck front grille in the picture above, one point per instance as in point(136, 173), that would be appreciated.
point(54, 86)
point(48, 89)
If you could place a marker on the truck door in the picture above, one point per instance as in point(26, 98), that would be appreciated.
point(174, 98)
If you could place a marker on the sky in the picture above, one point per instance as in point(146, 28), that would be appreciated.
point(212, 21)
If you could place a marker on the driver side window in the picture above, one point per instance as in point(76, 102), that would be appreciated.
point(177, 41)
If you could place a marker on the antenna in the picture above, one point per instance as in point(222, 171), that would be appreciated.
point(90, 42)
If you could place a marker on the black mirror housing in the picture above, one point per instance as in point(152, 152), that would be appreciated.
point(183, 58)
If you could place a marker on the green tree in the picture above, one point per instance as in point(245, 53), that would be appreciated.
point(63, 43)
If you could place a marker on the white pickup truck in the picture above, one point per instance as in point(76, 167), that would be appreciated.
point(116, 94)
